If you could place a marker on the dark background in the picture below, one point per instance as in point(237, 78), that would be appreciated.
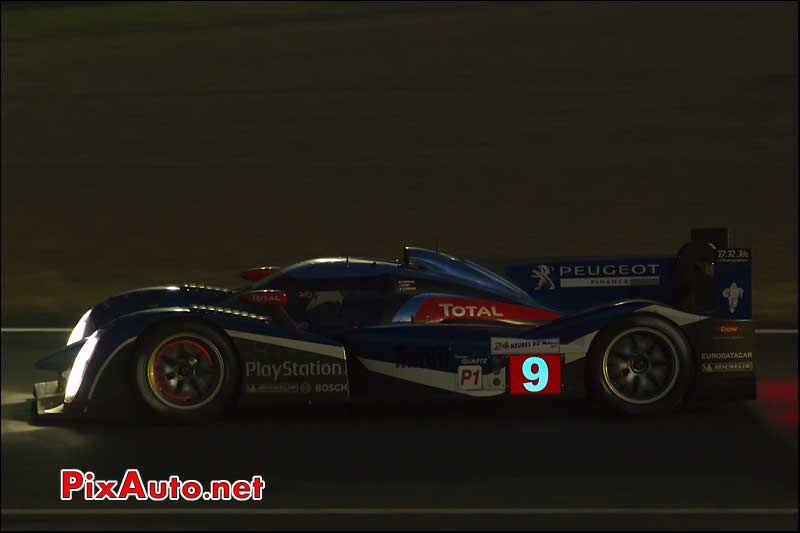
point(156, 142)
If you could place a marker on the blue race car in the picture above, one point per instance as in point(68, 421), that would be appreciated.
point(641, 335)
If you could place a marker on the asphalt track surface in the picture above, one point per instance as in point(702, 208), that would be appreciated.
point(468, 466)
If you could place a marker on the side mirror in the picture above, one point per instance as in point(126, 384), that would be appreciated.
point(264, 297)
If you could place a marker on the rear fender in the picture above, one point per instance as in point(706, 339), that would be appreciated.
point(576, 333)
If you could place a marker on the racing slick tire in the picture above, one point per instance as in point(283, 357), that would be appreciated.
point(186, 371)
point(640, 365)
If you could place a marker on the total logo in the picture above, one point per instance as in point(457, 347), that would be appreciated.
point(471, 311)
point(264, 297)
point(438, 308)
point(291, 369)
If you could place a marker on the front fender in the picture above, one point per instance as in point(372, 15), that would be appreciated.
point(107, 378)
point(111, 356)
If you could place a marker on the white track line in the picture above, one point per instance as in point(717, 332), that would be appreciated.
point(35, 330)
point(412, 511)
point(67, 330)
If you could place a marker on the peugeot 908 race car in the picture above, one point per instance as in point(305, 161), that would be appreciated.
point(641, 335)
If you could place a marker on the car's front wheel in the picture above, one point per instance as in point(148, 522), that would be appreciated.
point(640, 365)
point(186, 370)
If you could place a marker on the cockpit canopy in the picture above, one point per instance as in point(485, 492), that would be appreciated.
point(335, 292)
point(469, 273)
point(417, 263)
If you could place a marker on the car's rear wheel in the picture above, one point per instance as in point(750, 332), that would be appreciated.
point(640, 365)
point(186, 370)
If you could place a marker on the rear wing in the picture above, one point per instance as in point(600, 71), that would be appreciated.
point(706, 277)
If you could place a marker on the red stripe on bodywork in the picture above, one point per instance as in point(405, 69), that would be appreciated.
point(256, 274)
point(439, 308)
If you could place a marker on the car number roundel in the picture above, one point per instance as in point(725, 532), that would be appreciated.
point(535, 374)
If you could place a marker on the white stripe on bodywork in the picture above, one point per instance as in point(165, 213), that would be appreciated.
point(437, 379)
point(681, 318)
point(448, 381)
point(329, 350)
point(578, 348)
point(105, 364)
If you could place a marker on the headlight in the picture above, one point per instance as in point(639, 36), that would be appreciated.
point(79, 368)
point(79, 331)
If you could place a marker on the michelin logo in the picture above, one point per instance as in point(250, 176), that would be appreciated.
point(726, 362)
point(733, 294)
point(744, 366)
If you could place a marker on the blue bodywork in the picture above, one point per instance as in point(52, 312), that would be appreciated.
point(379, 349)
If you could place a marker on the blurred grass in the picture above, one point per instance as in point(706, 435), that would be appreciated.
point(155, 142)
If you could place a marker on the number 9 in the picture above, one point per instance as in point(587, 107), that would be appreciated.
point(538, 378)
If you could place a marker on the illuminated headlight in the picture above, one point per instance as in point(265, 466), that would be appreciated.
point(79, 331)
point(79, 368)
